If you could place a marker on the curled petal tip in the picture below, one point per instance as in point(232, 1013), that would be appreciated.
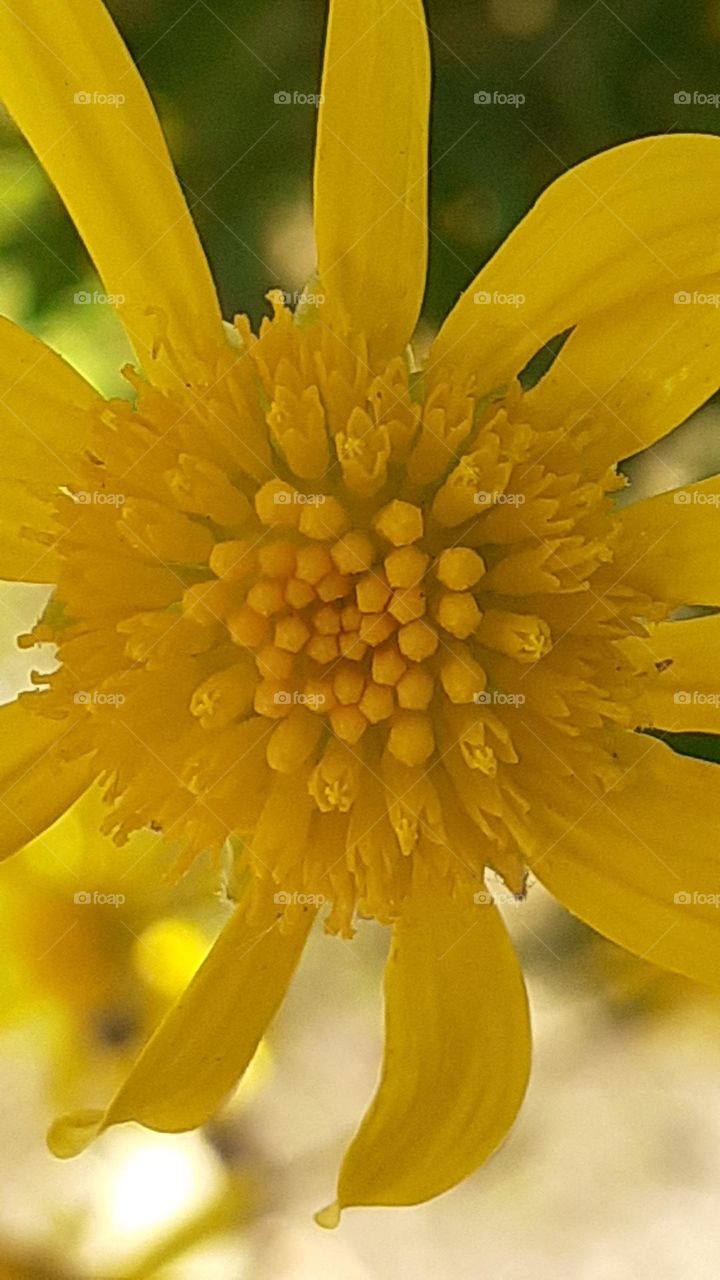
point(69, 1135)
point(329, 1217)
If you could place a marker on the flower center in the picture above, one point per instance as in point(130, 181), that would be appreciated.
point(327, 612)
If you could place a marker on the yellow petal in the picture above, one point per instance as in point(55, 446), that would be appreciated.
point(673, 541)
point(37, 785)
point(680, 665)
point(70, 84)
point(629, 376)
point(371, 170)
point(206, 1041)
point(27, 534)
point(456, 1056)
point(641, 865)
point(618, 226)
point(45, 410)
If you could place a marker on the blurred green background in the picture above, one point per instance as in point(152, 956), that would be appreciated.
point(612, 1172)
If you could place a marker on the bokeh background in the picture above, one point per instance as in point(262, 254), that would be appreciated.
point(613, 1170)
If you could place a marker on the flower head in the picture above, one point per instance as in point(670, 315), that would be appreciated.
point(374, 628)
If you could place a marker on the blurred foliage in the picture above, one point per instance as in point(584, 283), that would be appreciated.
point(705, 745)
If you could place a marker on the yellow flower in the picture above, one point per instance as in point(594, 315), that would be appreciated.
point(381, 629)
point(94, 948)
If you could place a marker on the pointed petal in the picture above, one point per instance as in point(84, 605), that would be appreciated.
point(615, 227)
point(673, 541)
point(69, 83)
point(632, 375)
point(371, 170)
point(642, 864)
point(456, 1056)
point(683, 658)
point(207, 1040)
point(36, 784)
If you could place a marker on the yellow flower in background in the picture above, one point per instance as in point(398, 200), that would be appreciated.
point(94, 948)
point(380, 628)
